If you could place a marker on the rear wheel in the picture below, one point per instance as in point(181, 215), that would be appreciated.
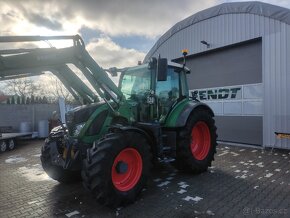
point(57, 172)
point(117, 168)
point(197, 143)
point(3, 146)
point(11, 144)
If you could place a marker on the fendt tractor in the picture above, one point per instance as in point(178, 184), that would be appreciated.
point(111, 144)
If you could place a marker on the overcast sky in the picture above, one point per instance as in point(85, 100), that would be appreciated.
point(117, 32)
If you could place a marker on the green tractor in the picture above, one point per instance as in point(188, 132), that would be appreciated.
point(111, 144)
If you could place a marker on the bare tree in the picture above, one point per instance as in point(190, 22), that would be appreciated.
point(22, 87)
point(55, 89)
point(47, 85)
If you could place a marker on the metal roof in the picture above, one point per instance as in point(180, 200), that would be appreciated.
point(255, 7)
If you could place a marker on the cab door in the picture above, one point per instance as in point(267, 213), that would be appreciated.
point(167, 93)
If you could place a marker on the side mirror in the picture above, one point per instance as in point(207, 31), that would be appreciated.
point(161, 69)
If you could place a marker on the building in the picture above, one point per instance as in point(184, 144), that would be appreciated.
point(239, 56)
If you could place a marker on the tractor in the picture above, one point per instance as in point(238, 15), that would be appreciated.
point(117, 135)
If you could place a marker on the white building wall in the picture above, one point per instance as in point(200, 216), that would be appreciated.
point(229, 29)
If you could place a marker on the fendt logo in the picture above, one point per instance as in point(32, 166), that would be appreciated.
point(217, 93)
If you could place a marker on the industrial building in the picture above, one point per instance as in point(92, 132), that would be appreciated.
point(239, 56)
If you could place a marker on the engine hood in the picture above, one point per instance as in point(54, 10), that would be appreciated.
point(82, 113)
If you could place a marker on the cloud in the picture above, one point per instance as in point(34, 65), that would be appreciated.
point(39, 20)
point(109, 54)
point(111, 17)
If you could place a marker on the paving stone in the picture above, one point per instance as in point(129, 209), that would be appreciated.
point(26, 191)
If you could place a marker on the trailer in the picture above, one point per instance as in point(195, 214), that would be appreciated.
point(8, 139)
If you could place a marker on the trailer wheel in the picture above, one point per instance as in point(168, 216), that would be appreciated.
point(197, 143)
point(117, 168)
point(57, 172)
point(11, 144)
point(3, 146)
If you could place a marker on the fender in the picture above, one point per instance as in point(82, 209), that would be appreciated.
point(152, 138)
point(133, 129)
point(179, 116)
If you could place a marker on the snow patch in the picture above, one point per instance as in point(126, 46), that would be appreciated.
point(181, 183)
point(243, 176)
point(15, 159)
point(181, 191)
point(189, 198)
point(72, 213)
point(36, 155)
point(163, 184)
point(34, 173)
point(184, 186)
point(210, 213)
point(223, 153)
point(268, 175)
point(234, 154)
point(157, 180)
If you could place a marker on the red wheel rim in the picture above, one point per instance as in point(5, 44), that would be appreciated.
point(127, 169)
point(200, 140)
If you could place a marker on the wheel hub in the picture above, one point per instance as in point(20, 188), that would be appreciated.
point(121, 167)
point(200, 140)
point(127, 169)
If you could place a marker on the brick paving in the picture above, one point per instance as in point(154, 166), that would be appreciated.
point(243, 182)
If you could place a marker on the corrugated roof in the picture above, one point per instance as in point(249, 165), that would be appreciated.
point(257, 8)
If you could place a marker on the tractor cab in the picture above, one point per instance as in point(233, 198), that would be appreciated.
point(152, 90)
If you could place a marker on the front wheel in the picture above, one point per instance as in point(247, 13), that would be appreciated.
point(197, 143)
point(3, 146)
point(57, 172)
point(117, 167)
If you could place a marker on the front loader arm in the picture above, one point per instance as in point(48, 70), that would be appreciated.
point(22, 62)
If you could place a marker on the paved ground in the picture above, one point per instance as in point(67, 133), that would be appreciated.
point(243, 182)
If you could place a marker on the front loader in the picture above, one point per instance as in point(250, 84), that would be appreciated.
point(111, 143)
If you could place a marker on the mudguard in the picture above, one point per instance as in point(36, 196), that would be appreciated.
point(179, 115)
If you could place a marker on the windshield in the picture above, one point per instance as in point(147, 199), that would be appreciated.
point(135, 82)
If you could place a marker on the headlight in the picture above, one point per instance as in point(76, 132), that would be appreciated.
point(78, 129)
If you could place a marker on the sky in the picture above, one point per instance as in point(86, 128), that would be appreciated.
point(116, 32)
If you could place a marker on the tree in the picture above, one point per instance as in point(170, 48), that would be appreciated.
point(12, 100)
point(18, 100)
point(55, 89)
point(22, 87)
point(28, 101)
point(32, 101)
point(23, 100)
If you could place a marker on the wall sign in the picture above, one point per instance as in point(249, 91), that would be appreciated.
point(217, 93)
point(239, 100)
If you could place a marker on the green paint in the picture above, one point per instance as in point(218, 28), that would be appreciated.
point(175, 113)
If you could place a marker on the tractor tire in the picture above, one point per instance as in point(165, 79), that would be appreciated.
point(117, 168)
point(3, 146)
point(197, 143)
point(11, 144)
point(56, 172)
